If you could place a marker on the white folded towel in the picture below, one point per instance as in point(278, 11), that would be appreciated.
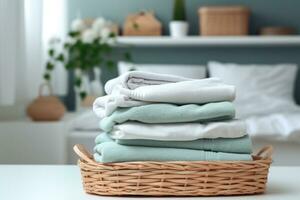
point(134, 79)
point(179, 131)
point(126, 91)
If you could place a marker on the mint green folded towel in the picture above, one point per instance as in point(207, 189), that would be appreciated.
point(170, 113)
point(230, 145)
point(112, 152)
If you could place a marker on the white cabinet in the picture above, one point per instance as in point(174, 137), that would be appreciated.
point(27, 142)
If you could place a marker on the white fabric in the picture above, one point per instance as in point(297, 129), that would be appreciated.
point(261, 89)
point(189, 71)
point(279, 126)
point(34, 68)
point(185, 92)
point(135, 79)
point(26, 25)
point(268, 127)
point(86, 121)
point(104, 106)
point(10, 35)
point(179, 131)
point(126, 91)
point(54, 26)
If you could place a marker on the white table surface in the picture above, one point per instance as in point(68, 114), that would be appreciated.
point(46, 182)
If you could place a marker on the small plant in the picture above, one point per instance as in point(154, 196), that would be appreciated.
point(85, 49)
point(179, 10)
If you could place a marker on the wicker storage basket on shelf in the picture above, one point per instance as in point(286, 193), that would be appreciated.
point(180, 178)
point(224, 20)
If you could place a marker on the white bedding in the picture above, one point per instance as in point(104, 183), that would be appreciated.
point(261, 89)
point(86, 121)
point(279, 126)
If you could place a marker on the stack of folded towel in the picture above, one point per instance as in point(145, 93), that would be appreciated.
point(155, 117)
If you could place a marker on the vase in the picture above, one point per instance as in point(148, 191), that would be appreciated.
point(178, 29)
point(96, 84)
point(93, 88)
point(85, 86)
point(46, 107)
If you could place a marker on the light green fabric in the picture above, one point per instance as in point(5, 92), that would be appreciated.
point(113, 152)
point(170, 113)
point(230, 145)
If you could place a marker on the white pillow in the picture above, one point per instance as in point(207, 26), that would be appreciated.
point(189, 71)
point(261, 89)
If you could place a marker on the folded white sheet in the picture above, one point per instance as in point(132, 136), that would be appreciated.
point(126, 91)
point(179, 131)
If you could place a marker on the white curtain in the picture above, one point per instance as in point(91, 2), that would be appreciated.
point(33, 46)
point(9, 44)
point(26, 28)
point(55, 26)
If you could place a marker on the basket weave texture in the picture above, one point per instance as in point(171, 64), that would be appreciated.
point(179, 178)
point(224, 20)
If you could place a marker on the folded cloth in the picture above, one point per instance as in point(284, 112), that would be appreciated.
point(179, 131)
point(230, 145)
point(184, 92)
point(113, 152)
point(135, 79)
point(170, 113)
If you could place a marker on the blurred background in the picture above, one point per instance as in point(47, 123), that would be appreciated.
point(56, 55)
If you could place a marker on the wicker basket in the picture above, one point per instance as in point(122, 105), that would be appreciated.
point(198, 178)
point(224, 20)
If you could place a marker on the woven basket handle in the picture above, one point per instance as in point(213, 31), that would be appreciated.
point(83, 153)
point(265, 152)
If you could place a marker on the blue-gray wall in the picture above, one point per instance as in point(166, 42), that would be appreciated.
point(263, 13)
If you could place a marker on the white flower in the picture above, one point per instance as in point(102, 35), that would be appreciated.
point(98, 25)
point(89, 36)
point(70, 40)
point(77, 25)
point(105, 32)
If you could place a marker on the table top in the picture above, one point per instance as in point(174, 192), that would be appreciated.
point(63, 182)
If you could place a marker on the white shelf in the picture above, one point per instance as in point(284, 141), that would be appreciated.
point(167, 41)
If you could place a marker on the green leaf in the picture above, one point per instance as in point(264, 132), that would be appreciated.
point(179, 10)
point(67, 46)
point(47, 76)
point(49, 66)
point(110, 64)
point(69, 65)
point(127, 56)
point(106, 48)
point(82, 95)
point(74, 33)
point(112, 35)
point(96, 41)
point(51, 52)
point(77, 82)
point(60, 58)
